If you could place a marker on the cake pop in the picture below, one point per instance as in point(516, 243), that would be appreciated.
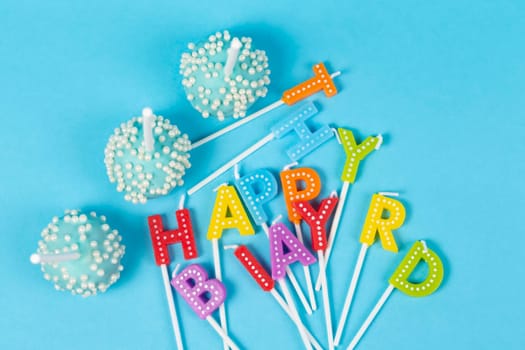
point(147, 157)
point(224, 76)
point(80, 253)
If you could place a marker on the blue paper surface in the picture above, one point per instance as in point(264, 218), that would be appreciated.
point(443, 81)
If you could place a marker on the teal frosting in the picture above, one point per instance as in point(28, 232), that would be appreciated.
point(141, 174)
point(99, 251)
point(210, 91)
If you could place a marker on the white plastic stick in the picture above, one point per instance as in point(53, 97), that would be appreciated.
point(244, 120)
point(293, 309)
point(293, 280)
point(371, 317)
point(233, 54)
point(53, 258)
point(296, 320)
point(218, 275)
point(147, 127)
point(237, 124)
point(326, 304)
point(171, 306)
point(350, 293)
point(226, 339)
point(231, 163)
point(306, 269)
point(333, 230)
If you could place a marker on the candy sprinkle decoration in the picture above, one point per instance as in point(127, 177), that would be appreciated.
point(147, 157)
point(224, 76)
point(80, 253)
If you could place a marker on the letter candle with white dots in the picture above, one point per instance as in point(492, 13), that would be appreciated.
point(384, 215)
point(355, 153)
point(400, 280)
point(228, 212)
point(267, 284)
point(203, 295)
point(161, 239)
point(254, 201)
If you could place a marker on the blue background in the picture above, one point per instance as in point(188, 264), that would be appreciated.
point(444, 81)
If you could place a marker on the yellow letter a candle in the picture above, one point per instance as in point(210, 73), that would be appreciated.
point(228, 212)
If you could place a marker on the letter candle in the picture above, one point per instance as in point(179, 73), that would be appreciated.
point(321, 81)
point(254, 201)
point(193, 285)
point(267, 284)
point(354, 155)
point(399, 279)
point(228, 212)
point(160, 240)
point(317, 220)
point(376, 223)
point(296, 123)
point(290, 179)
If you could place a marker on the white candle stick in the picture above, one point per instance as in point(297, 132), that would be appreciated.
point(350, 293)
point(218, 275)
point(226, 339)
point(233, 54)
point(244, 120)
point(237, 124)
point(293, 280)
point(293, 309)
point(231, 163)
point(147, 127)
point(371, 317)
point(171, 306)
point(326, 303)
point(53, 258)
point(333, 232)
point(296, 320)
point(306, 269)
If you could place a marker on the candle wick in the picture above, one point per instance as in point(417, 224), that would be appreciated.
point(182, 200)
point(380, 137)
point(175, 271)
point(277, 219)
point(236, 173)
point(425, 248)
point(217, 188)
point(334, 130)
point(291, 165)
point(392, 194)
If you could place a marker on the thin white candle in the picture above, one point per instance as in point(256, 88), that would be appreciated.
point(53, 258)
point(147, 127)
point(171, 306)
point(233, 54)
point(306, 269)
point(218, 275)
point(226, 339)
point(371, 317)
point(293, 309)
point(293, 280)
point(326, 304)
point(350, 293)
